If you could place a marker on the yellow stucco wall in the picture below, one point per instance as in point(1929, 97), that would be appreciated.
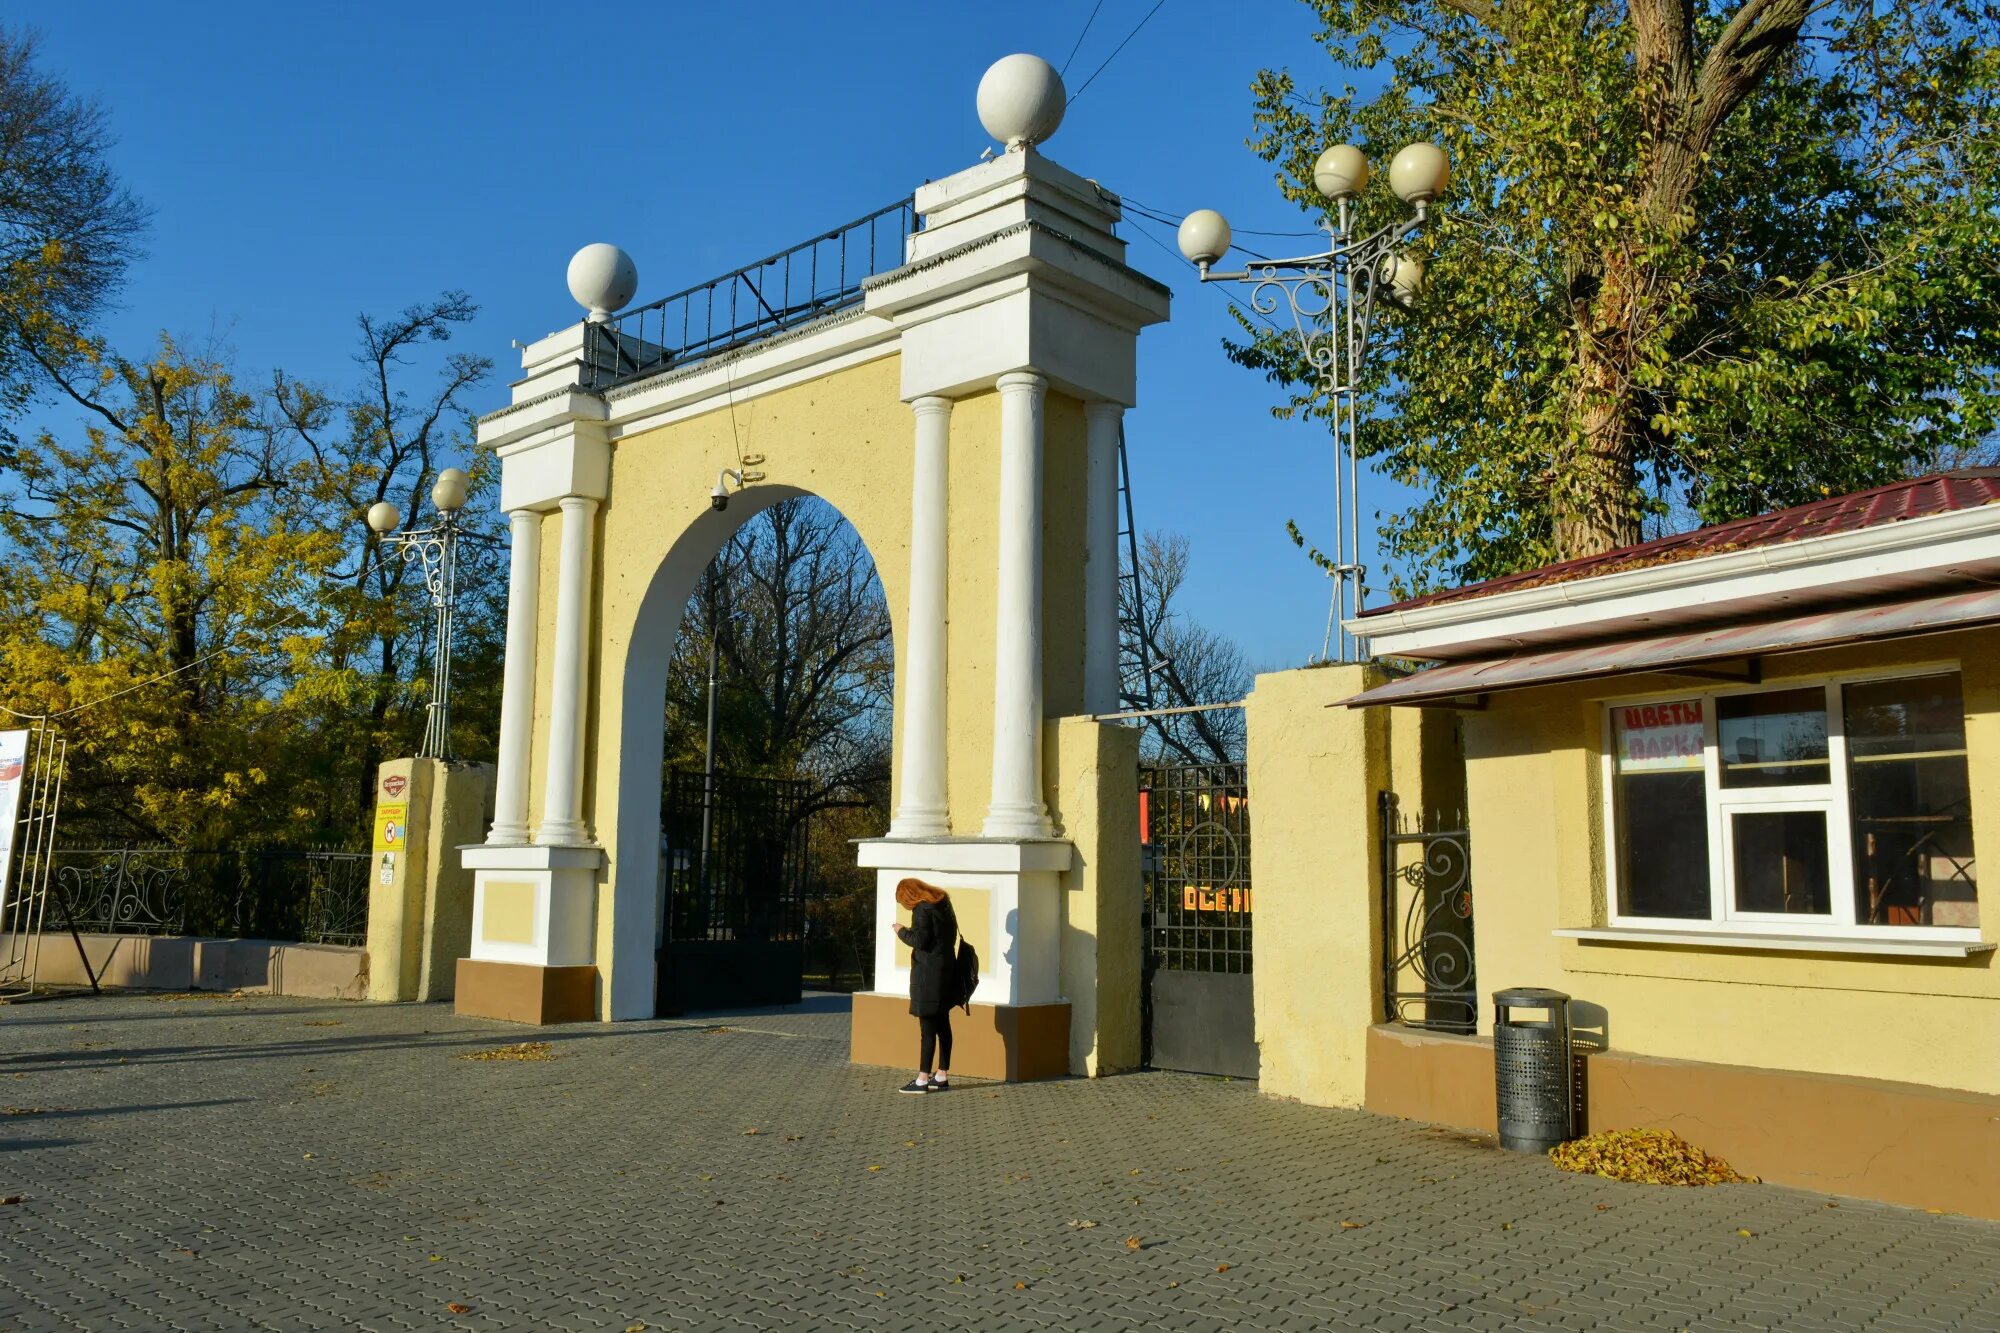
point(1097, 807)
point(1314, 771)
point(1536, 798)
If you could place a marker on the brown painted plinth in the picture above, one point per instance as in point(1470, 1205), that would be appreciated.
point(1898, 1142)
point(525, 993)
point(1017, 1043)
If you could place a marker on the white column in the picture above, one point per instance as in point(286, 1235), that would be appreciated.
point(562, 797)
point(1016, 809)
point(921, 809)
point(517, 679)
point(1100, 565)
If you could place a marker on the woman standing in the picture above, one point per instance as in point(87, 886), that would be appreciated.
point(932, 936)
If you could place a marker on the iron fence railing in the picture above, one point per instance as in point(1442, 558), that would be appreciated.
point(1427, 975)
point(319, 897)
point(792, 287)
point(1195, 847)
point(747, 880)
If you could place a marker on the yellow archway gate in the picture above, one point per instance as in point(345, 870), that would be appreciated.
point(961, 410)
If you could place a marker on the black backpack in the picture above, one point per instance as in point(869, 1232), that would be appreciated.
point(965, 974)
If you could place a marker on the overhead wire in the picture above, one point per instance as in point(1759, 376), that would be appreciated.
point(1114, 52)
point(1079, 38)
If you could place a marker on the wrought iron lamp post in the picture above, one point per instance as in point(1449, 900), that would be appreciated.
point(1332, 298)
point(436, 549)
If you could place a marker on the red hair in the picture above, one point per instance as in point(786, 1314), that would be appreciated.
point(910, 892)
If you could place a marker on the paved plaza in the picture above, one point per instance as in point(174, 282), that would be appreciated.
point(254, 1163)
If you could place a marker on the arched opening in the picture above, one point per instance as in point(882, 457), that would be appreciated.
point(783, 635)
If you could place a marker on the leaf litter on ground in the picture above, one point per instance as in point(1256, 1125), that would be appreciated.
point(520, 1050)
point(1645, 1157)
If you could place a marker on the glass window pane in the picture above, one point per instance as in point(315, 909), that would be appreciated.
point(1781, 861)
point(1661, 808)
point(1663, 845)
point(1910, 802)
point(1775, 739)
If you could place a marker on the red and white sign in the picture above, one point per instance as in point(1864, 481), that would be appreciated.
point(1660, 738)
point(394, 785)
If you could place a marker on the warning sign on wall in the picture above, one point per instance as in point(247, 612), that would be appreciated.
point(392, 827)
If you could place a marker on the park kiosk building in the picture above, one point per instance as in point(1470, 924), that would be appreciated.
point(1728, 789)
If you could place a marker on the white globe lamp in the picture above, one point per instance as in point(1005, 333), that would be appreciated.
point(449, 492)
point(1406, 278)
point(602, 278)
point(383, 518)
point(1203, 237)
point(1021, 101)
point(1341, 172)
point(1419, 173)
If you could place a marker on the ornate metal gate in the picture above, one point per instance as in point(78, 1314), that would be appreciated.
point(1197, 1009)
point(733, 871)
point(1427, 976)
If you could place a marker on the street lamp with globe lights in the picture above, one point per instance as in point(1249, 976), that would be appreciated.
point(1332, 298)
point(435, 548)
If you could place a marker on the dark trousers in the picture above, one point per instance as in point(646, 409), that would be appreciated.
point(936, 1041)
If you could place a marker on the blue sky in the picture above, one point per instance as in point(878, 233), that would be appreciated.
point(307, 162)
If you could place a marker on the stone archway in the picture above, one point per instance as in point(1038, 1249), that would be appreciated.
point(962, 413)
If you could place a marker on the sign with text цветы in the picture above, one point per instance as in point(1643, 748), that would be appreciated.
point(1659, 738)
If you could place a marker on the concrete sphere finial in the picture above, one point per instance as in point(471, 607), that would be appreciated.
point(1021, 101)
point(602, 278)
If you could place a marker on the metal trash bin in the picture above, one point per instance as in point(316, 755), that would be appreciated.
point(1533, 1069)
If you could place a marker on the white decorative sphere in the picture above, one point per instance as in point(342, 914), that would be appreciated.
point(1021, 100)
point(602, 278)
point(1419, 173)
point(1341, 172)
point(449, 492)
point(1204, 236)
point(382, 517)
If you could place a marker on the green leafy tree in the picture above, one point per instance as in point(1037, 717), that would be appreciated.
point(68, 229)
point(156, 596)
point(1698, 259)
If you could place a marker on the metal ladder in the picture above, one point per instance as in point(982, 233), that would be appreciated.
point(24, 889)
point(1138, 656)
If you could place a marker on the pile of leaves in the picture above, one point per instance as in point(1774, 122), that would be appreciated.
point(1645, 1157)
point(520, 1050)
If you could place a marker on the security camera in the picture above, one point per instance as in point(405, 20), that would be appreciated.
point(719, 497)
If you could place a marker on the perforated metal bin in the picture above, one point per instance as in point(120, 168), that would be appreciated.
point(1533, 1069)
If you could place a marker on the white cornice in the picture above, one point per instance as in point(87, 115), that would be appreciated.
point(1927, 552)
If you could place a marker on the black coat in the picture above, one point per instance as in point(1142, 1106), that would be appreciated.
point(933, 939)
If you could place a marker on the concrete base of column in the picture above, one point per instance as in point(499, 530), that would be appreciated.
point(1017, 1043)
point(526, 993)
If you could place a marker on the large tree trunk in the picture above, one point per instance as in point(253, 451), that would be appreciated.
point(1594, 489)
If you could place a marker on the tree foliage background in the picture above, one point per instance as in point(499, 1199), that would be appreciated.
point(1697, 259)
point(186, 587)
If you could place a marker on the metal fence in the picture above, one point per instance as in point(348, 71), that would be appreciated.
point(1195, 844)
point(792, 287)
point(1427, 975)
point(320, 897)
point(749, 884)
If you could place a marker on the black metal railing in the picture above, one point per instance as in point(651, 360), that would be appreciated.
point(320, 897)
point(792, 287)
point(1195, 847)
point(1427, 973)
point(747, 881)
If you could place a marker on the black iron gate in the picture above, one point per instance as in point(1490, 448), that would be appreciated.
point(1427, 976)
point(1197, 1009)
point(733, 872)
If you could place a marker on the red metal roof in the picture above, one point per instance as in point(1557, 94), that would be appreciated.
point(1939, 494)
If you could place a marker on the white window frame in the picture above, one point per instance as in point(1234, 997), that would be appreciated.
point(1832, 799)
